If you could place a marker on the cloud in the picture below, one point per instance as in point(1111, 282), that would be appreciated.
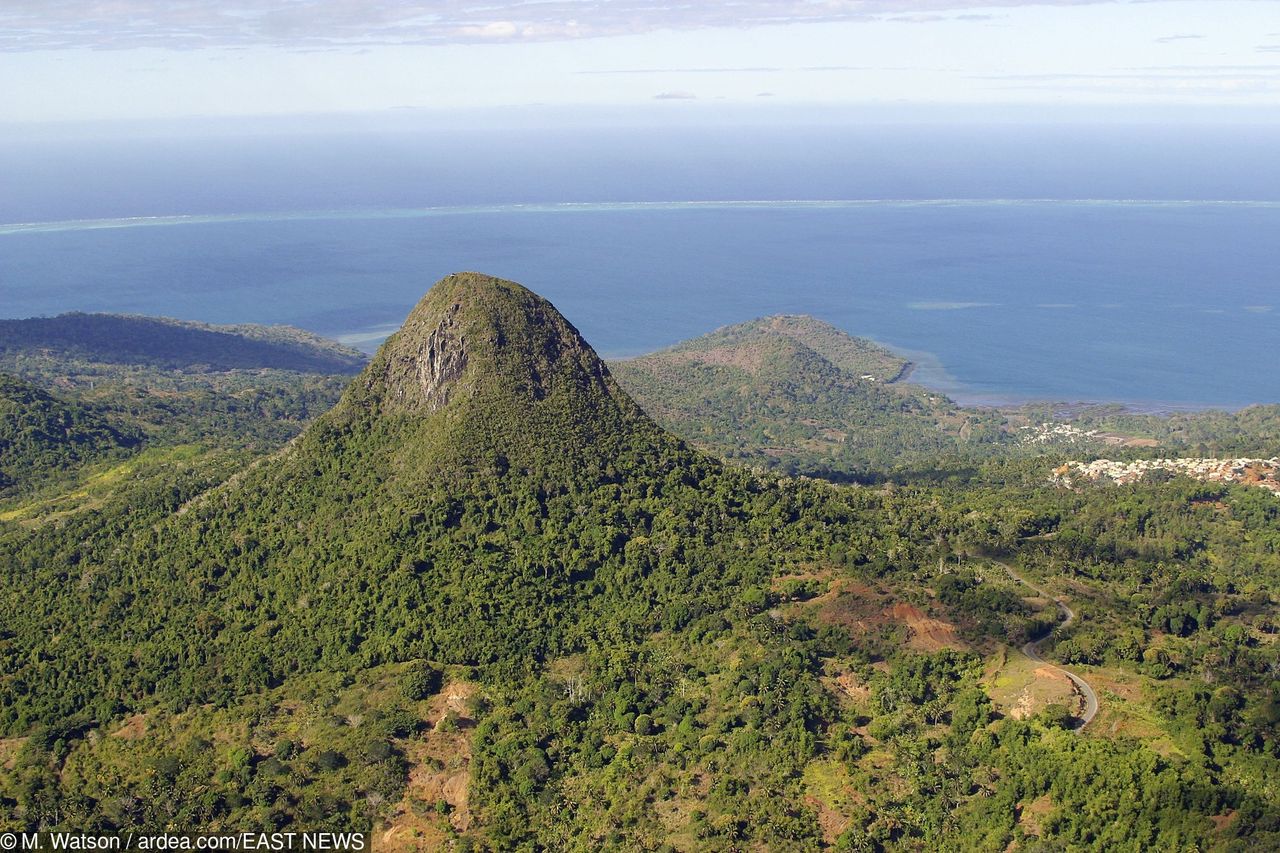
point(1204, 69)
point(755, 69)
point(1182, 37)
point(1269, 48)
point(186, 25)
point(933, 19)
point(749, 70)
point(675, 96)
point(1265, 72)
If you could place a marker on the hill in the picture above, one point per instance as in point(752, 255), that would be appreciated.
point(738, 345)
point(798, 394)
point(174, 382)
point(42, 436)
point(486, 375)
point(486, 603)
point(466, 500)
point(167, 344)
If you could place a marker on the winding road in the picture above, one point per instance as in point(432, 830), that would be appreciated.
point(1032, 650)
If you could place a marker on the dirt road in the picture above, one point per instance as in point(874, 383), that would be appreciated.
point(1032, 650)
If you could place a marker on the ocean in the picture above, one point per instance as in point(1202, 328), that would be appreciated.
point(1158, 303)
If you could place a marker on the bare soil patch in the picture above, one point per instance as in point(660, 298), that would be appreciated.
point(850, 685)
point(439, 772)
point(1031, 816)
point(927, 634)
point(832, 822)
point(851, 605)
point(1023, 688)
point(134, 727)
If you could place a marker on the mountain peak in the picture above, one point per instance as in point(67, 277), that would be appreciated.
point(475, 335)
point(485, 372)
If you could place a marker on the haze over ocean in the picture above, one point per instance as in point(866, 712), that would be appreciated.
point(1013, 263)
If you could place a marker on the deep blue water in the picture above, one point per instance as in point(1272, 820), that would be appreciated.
point(1165, 303)
point(1168, 303)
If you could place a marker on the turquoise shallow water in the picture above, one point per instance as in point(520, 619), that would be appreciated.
point(1149, 302)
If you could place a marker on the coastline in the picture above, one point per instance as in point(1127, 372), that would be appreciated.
point(926, 370)
point(971, 304)
point(904, 374)
point(921, 368)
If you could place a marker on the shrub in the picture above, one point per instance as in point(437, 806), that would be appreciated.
point(422, 682)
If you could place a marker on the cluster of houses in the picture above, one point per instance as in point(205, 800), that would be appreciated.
point(1263, 473)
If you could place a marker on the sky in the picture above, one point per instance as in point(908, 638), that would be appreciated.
point(109, 60)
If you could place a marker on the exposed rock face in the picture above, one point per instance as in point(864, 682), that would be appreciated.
point(441, 365)
point(421, 371)
point(437, 361)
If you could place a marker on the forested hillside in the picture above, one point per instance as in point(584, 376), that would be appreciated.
point(485, 603)
point(43, 436)
point(91, 390)
point(799, 395)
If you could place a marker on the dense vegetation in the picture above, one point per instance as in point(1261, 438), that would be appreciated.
point(485, 603)
point(799, 396)
point(796, 394)
point(42, 436)
point(75, 405)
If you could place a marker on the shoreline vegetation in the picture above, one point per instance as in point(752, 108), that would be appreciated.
point(64, 332)
point(788, 392)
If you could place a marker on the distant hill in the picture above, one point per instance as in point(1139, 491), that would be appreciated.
point(797, 393)
point(744, 345)
point(121, 339)
point(179, 382)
